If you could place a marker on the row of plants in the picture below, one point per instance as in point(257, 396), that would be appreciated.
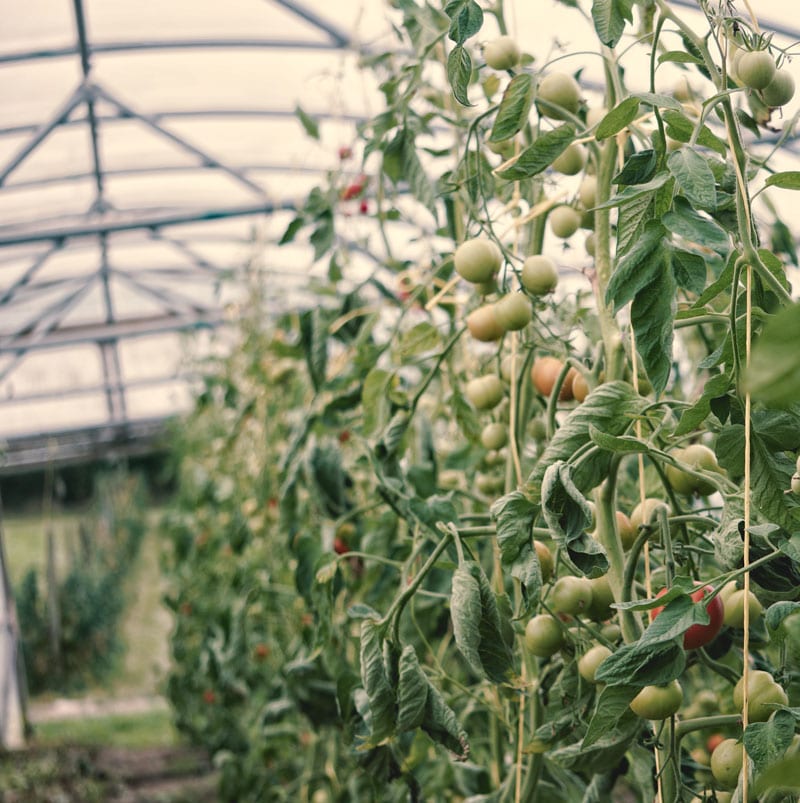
point(516, 516)
point(69, 615)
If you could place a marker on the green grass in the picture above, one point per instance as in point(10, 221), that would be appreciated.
point(149, 729)
point(26, 542)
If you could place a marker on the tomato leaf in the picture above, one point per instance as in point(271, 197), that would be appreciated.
point(412, 691)
point(603, 753)
point(441, 724)
point(569, 516)
point(638, 267)
point(783, 774)
point(624, 444)
point(683, 220)
point(638, 168)
point(421, 338)
point(681, 128)
point(619, 117)
point(679, 57)
point(466, 19)
point(694, 177)
point(496, 654)
point(788, 180)
point(613, 703)
point(643, 664)
point(652, 316)
point(773, 376)
point(309, 123)
point(514, 108)
point(382, 703)
point(609, 17)
point(459, 73)
point(541, 154)
point(690, 270)
point(465, 613)
point(610, 407)
point(766, 742)
point(514, 515)
point(775, 615)
point(692, 417)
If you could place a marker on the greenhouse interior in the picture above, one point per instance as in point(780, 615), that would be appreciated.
point(400, 401)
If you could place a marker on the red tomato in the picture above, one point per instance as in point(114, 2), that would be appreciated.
point(700, 635)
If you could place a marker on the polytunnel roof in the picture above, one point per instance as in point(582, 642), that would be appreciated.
point(148, 150)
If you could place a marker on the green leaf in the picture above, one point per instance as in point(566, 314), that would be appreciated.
point(681, 128)
point(308, 122)
point(465, 612)
point(375, 401)
point(694, 177)
point(459, 73)
point(633, 216)
point(514, 108)
point(441, 724)
point(412, 691)
point(779, 611)
point(766, 742)
point(679, 57)
point(638, 168)
point(514, 515)
point(322, 238)
point(606, 752)
point(639, 266)
point(643, 664)
point(690, 270)
point(569, 516)
point(683, 220)
point(496, 655)
point(294, 226)
point(421, 338)
point(314, 337)
point(783, 774)
point(382, 704)
point(788, 180)
point(692, 417)
point(611, 408)
point(620, 445)
point(659, 101)
point(418, 180)
point(613, 703)
point(773, 377)
point(609, 17)
point(393, 156)
point(466, 19)
point(652, 316)
point(770, 472)
point(618, 118)
point(541, 154)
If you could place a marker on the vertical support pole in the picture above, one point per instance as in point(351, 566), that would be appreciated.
point(13, 689)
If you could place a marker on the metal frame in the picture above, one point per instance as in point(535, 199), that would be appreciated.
point(178, 309)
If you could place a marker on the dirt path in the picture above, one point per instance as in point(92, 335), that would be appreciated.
point(94, 706)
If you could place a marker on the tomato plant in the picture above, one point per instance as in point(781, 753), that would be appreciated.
point(484, 495)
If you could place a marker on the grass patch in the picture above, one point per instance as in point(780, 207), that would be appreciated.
point(148, 729)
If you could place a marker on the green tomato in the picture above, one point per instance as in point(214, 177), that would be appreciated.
point(600, 609)
point(571, 595)
point(564, 221)
point(502, 53)
point(658, 702)
point(780, 90)
point(539, 275)
point(513, 311)
point(726, 763)
point(646, 514)
point(561, 94)
point(587, 192)
point(543, 636)
point(483, 325)
point(570, 161)
point(485, 392)
point(591, 660)
point(590, 243)
point(763, 692)
point(755, 68)
point(795, 484)
point(477, 260)
point(734, 608)
point(546, 561)
point(494, 436)
point(697, 456)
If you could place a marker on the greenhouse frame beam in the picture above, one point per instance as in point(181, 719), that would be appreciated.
point(338, 37)
point(171, 44)
point(119, 330)
point(157, 220)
